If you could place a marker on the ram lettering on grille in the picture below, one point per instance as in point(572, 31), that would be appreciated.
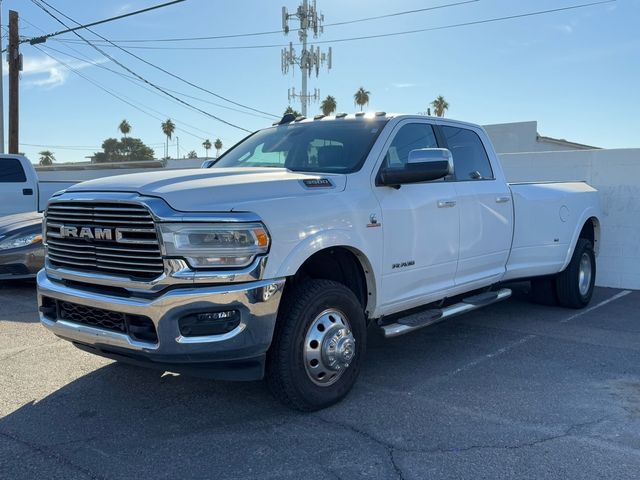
point(111, 238)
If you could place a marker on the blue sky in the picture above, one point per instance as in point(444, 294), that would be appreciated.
point(576, 72)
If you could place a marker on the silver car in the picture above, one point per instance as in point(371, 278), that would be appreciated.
point(21, 249)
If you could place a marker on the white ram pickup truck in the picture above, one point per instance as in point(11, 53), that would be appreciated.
point(276, 260)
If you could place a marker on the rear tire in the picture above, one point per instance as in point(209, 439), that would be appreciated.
point(318, 345)
point(574, 285)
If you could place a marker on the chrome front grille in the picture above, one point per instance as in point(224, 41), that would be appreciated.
point(110, 238)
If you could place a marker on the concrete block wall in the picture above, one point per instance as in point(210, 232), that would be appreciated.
point(616, 175)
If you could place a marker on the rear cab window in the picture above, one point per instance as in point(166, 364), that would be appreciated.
point(11, 171)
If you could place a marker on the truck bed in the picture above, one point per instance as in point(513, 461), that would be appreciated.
point(546, 215)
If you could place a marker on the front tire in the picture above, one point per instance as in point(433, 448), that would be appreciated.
point(574, 285)
point(318, 345)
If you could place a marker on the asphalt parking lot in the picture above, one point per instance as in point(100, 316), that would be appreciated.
point(514, 390)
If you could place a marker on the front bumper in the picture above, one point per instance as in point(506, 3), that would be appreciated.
point(236, 355)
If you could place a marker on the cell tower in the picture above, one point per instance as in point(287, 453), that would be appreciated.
point(310, 58)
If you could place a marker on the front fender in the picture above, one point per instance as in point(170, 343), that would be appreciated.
point(315, 243)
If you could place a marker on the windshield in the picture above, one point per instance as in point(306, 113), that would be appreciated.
point(325, 147)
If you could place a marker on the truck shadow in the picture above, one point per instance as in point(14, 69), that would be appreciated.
point(119, 408)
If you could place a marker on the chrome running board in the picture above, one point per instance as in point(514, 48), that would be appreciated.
point(430, 317)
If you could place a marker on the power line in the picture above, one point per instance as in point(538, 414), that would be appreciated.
point(271, 32)
point(44, 38)
point(38, 3)
point(135, 81)
point(381, 35)
point(120, 97)
point(121, 65)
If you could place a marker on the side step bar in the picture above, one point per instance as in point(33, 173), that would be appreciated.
point(429, 317)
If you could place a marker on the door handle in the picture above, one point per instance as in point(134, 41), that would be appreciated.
point(27, 191)
point(503, 199)
point(446, 203)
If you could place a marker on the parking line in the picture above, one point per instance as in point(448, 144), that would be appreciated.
point(624, 293)
point(498, 352)
point(525, 339)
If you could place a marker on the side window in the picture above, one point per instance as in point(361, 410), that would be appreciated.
point(410, 137)
point(470, 159)
point(11, 171)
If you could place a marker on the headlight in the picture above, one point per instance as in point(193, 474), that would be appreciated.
point(22, 241)
point(215, 245)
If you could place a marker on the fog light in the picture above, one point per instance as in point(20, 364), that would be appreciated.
point(209, 323)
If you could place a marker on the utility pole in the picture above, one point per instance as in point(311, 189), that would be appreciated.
point(1, 90)
point(177, 148)
point(15, 66)
point(309, 59)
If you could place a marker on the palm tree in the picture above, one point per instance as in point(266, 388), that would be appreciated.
point(125, 128)
point(207, 146)
point(192, 154)
point(292, 111)
point(328, 105)
point(168, 127)
point(218, 146)
point(46, 158)
point(361, 97)
point(440, 105)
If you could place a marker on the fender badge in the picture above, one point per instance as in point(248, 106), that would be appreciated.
point(373, 221)
point(317, 183)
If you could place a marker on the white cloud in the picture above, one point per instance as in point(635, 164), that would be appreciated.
point(125, 7)
point(404, 85)
point(568, 29)
point(49, 73)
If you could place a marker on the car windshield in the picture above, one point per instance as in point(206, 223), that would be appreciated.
point(339, 146)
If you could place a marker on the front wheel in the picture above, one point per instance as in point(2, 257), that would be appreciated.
point(574, 286)
point(318, 345)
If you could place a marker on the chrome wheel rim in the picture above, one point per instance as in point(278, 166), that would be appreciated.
point(329, 347)
point(584, 274)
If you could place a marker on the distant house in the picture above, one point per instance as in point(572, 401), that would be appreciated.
point(521, 137)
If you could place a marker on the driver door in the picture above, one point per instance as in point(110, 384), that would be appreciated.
point(420, 225)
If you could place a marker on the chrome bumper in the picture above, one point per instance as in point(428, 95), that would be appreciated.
point(257, 303)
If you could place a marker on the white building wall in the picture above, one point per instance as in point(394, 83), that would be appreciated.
point(616, 175)
point(522, 137)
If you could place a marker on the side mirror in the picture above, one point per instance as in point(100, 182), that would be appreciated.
point(423, 165)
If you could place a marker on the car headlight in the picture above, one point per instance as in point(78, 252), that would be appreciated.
point(215, 245)
point(20, 241)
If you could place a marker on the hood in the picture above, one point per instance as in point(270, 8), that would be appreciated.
point(214, 189)
point(12, 223)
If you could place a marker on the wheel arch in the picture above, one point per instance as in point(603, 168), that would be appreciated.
point(342, 263)
point(588, 227)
